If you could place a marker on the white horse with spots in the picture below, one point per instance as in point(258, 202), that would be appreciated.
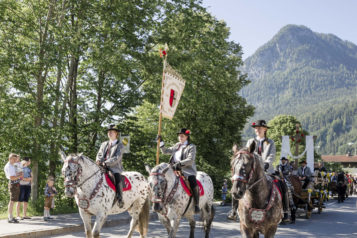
point(94, 195)
point(172, 202)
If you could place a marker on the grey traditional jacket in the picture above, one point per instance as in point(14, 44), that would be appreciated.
point(267, 154)
point(307, 172)
point(114, 160)
point(187, 159)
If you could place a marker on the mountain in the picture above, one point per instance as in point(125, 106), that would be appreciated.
point(300, 72)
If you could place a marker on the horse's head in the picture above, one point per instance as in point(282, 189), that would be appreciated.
point(158, 181)
point(242, 168)
point(71, 171)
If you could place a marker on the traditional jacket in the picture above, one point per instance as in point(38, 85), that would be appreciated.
point(267, 154)
point(114, 159)
point(187, 160)
point(285, 169)
point(307, 172)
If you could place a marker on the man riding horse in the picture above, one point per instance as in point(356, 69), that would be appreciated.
point(110, 155)
point(183, 155)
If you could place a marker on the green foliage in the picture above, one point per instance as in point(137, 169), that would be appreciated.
point(68, 68)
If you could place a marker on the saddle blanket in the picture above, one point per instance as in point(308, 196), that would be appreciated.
point(126, 185)
point(188, 191)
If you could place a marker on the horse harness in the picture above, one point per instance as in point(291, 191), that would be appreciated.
point(238, 177)
point(83, 202)
point(170, 196)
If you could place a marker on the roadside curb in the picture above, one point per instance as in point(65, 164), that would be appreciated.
point(69, 228)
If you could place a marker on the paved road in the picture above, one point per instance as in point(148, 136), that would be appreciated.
point(337, 220)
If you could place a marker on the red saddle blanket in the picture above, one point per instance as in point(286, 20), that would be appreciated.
point(126, 185)
point(277, 185)
point(183, 184)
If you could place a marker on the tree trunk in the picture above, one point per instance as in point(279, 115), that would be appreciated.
point(73, 104)
point(97, 122)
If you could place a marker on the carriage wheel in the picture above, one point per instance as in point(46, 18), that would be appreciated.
point(320, 205)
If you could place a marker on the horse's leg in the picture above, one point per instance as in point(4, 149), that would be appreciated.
point(86, 218)
point(166, 222)
point(245, 232)
point(192, 222)
point(134, 212)
point(99, 221)
point(271, 232)
point(174, 225)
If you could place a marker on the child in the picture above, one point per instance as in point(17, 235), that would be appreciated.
point(25, 188)
point(224, 192)
point(50, 192)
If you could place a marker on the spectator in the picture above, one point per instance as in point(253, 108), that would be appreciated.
point(224, 192)
point(50, 192)
point(25, 188)
point(14, 184)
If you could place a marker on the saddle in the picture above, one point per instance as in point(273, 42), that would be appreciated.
point(109, 176)
point(186, 186)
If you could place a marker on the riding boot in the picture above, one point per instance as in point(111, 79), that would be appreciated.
point(196, 198)
point(119, 189)
point(293, 216)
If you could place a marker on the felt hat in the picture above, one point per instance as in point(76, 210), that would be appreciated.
point(260, 123)
point(113, 128)
point(184, 131)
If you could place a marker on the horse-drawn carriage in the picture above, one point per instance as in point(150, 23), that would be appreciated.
point(311, 197)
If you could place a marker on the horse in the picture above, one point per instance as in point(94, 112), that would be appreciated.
point(94, 194)
point(172, 199)
point(260, 202)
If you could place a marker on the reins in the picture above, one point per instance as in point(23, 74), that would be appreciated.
point(237, 177)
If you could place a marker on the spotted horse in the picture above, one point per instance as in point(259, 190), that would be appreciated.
point(95, 194)
point(172, 200)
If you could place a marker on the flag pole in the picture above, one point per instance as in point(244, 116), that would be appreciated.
point(161, 99)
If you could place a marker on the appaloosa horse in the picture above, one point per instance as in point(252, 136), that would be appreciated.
point(171, 200)
point(94, 194)
point(260, 205)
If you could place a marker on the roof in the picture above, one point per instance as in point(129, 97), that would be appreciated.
point(339, 158)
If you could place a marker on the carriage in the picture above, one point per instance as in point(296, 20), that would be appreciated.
point(311, 197)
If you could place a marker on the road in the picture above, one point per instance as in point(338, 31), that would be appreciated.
point(337, 220)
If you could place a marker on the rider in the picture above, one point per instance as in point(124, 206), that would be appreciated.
point(286, 169)
point(183, 155)
point(110, 155)
point(304, 174)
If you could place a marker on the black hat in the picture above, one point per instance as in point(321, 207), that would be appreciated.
point(26, 158)
point(303, 162)
point(283, 158)
point(260, 123)
point(184, 131)
point(113, 128)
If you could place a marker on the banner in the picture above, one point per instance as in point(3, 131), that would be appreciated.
point(126, 142)
point(172, 90)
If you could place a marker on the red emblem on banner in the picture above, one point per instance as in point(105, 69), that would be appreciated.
point(172, 97)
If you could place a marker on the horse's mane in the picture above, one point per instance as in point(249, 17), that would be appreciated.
point(81, 156)
point(161, 167)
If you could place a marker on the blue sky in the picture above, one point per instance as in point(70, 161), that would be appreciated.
point(254, 22)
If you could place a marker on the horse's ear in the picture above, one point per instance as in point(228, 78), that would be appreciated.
point(252, 147)
point(62, 155)
point(235, 148)
point(148, 168)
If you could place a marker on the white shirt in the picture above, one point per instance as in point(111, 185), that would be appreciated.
point(113, 142)
point(10, 170)
point(178, 153)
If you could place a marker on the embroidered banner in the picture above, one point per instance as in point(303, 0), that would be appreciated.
point(172, 91)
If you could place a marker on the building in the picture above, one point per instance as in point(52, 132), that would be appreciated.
point(347, 161)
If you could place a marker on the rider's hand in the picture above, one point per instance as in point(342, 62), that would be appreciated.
point(97, 162)
point(266, 166)
point(176, 166)
point(158, 137)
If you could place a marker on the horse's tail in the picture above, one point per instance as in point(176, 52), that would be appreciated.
point(144, 218)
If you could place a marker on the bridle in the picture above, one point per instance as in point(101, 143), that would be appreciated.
point(244, 179)
point(73, 183)
point(159, 199)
